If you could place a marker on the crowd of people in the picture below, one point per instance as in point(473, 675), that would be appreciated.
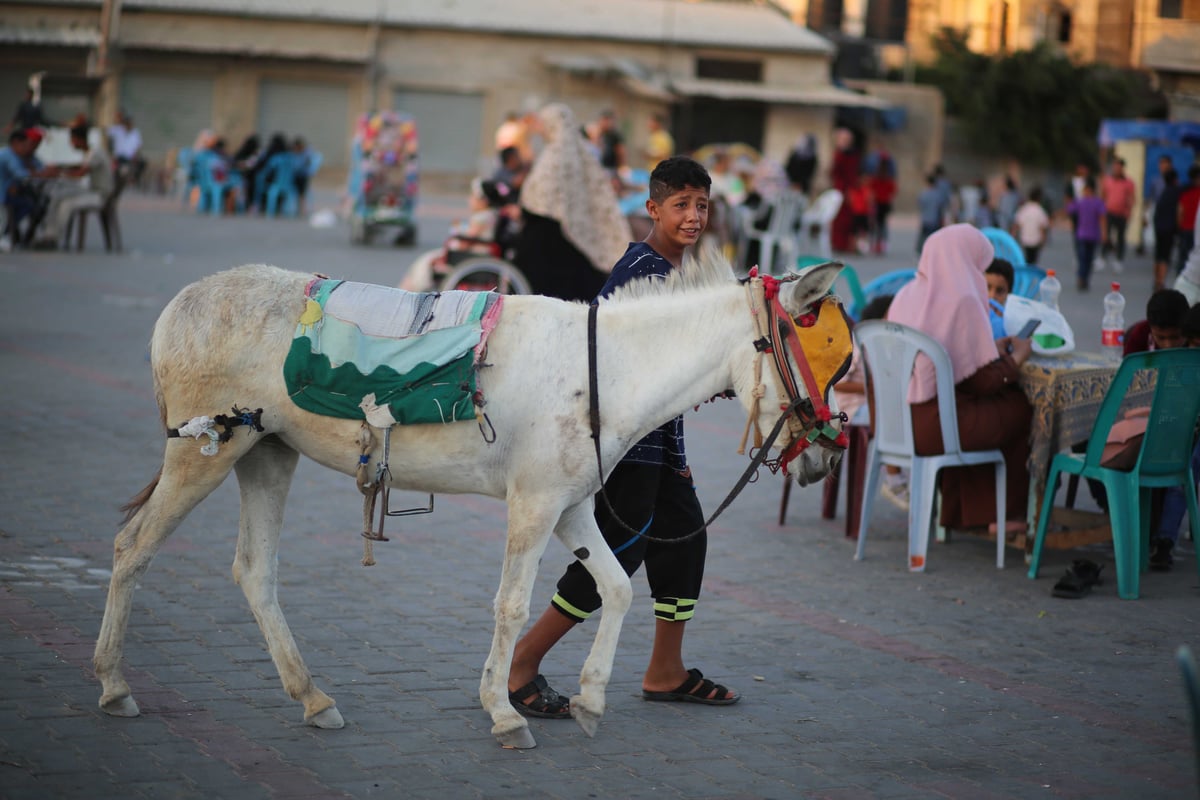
point(40, 198)
point(240, 180)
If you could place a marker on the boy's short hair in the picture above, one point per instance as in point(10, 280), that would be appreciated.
point(676, 174)
point(877, 308)
point(1004, 269)
point(18, 135)
point(1166, 308)
point(1170, 176)
point(80, 131)
point(1190, 324)
point(508, 152)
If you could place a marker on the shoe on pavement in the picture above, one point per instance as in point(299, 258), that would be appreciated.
point(1117, 266)
point(6, 244)
point(1098, 265)
point(1161, 559)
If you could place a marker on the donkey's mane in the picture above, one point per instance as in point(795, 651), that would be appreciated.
point(703, 269)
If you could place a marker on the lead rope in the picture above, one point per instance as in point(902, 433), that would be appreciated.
point(748, 475)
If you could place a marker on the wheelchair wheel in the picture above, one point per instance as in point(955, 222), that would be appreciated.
point(485, 274)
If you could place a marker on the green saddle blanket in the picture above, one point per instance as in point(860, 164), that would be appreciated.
point(389, 356)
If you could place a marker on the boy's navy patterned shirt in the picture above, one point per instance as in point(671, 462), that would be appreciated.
point(663, 445)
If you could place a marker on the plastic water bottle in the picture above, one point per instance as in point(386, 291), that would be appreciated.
point(1112, 328)
point(1049, 290)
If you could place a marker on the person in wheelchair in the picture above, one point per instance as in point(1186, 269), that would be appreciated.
point(486, 232)
point(489, 230)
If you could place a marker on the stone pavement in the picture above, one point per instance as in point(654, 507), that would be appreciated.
point(860, 680)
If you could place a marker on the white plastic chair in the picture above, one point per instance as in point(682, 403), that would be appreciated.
point(817, 221)
point(890, 352)
point(782, 230)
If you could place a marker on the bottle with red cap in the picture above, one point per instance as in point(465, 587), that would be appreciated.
point(1049, 290)
point(1112, 327)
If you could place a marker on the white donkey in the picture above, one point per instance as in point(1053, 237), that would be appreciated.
point(663, 347)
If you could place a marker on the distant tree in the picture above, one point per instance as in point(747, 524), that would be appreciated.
point(1034, 105)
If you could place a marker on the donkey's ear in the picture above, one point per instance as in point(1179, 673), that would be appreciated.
point(812, 284)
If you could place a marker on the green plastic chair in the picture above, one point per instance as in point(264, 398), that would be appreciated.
point(1164, 460)
point(1191, 687)
point(847, 278)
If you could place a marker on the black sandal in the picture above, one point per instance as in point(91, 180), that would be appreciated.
point(696, 689)
point(546, 703)
point(1079, 579)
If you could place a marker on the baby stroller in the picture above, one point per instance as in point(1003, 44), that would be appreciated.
point(383, 177)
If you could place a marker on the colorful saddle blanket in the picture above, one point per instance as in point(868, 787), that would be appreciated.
point(389, 356)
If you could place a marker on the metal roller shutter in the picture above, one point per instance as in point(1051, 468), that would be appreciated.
point(318, 112)
point(449, 125)
point(169, 110)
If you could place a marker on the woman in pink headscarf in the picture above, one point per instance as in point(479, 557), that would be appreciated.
point(948, 301)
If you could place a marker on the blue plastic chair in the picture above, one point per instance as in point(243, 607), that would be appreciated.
point(887, 283)
point(185, 168)
point(278, 180)
point(1005, 245)
point(1163, 461)
point(1026, 280)
point(214, 186)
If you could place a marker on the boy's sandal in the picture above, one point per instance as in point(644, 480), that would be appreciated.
point(546, 703)
point(696, 689)
point(1079, 579)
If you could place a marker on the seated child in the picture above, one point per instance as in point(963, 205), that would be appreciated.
point(1000, 278)
point(493, 210)
point(477, 235)
point(851, 393)
point(1174, 503)
point(1160, 329)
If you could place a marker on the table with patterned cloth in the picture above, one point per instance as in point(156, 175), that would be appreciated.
point(1066, 393)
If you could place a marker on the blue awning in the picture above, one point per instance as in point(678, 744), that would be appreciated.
point(1153, 130)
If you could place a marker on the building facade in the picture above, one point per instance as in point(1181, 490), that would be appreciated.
point(718, 71)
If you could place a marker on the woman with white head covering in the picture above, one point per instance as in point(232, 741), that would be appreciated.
point(948, 301)
point(572, 230)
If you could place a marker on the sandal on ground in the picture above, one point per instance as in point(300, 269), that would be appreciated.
point(696, 689)
point(1079, 579)
point(546, 703)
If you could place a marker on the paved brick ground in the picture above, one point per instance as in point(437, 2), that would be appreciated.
point(860, 679)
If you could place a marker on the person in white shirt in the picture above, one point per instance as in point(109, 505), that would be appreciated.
point(84, 185)
point(126, 143)
point(1030, 225)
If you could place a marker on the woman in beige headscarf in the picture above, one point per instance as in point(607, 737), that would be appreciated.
point(572, 230)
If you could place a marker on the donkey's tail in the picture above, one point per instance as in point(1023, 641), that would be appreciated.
point(140, 499)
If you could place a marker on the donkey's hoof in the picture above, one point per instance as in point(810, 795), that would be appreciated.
point(330, 718)
point(121, 707)
point(518, 738)
point(588, 720)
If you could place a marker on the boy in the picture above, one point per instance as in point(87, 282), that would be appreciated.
point(651, 489)
point(999, 276)
point(1162, 327)
point(1174, 501)
point(1089, 230)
